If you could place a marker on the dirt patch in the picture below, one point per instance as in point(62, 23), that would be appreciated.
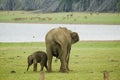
point(12, 71)
point(114, 60)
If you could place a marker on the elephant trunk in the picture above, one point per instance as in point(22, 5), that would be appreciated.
point(28, 67)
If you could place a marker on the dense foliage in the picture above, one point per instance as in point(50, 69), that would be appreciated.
point(60, 5)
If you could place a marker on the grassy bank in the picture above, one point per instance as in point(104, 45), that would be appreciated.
point(88, 60)
point(65, 17)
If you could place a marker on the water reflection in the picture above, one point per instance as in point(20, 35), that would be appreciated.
point(20, 32)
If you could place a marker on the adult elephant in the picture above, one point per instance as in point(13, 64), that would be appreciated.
point(58, 43)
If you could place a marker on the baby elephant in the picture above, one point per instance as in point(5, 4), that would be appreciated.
point(37, 57)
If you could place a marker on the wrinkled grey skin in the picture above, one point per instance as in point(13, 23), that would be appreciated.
point(37, 57)
point(58, 43)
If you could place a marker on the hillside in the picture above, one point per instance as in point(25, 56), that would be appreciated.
point(61, 5)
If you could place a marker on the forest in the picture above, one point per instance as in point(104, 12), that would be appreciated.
point(62, 5)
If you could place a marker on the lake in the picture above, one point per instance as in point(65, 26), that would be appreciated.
point(23, 32)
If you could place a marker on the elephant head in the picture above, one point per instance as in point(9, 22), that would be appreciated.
point(30, 61)
point(74, 37)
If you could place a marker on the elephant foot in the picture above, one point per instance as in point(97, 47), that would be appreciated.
point(49, 71)
point(35, 70)
point(64, 70)
point(68, 69)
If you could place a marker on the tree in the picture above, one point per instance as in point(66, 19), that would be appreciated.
point(10, 4)
point(118, 6)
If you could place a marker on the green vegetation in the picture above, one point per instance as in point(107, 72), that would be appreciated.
point(65, 17)
point(118, 6)
point(60, 5)
point(88, 60)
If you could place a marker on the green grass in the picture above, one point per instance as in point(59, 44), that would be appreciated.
point(88, 60)
point(77, 18)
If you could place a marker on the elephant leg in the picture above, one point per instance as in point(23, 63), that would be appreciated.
point(46, 67)
point(63, 67)
point(68, 56)
point(67, 60)
point(49, 54)
point(42, 66)
point(49, 64)
point(35, 65)
point(67, 66)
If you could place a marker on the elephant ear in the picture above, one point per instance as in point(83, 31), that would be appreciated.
point(30, 59)
point(74, 37)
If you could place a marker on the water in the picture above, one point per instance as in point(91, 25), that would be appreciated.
point(23, 32)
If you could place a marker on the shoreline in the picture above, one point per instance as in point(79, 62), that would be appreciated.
point(78, 42)
point(55, 23)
